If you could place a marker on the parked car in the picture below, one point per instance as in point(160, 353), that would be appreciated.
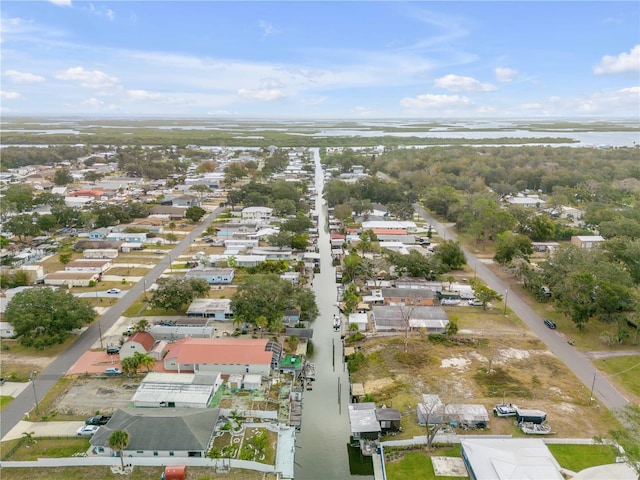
point(450, 301)
point(475, 303)
point(87, 430)
point(113, 350)
point(98, 420)
point(113, 371)
point(549, 323)
point(114, 290)
point(158, 252)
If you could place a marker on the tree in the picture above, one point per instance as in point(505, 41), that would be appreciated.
point(297, 225)
point(194, 213)
point(201, 192)
point(483, 293)
point(141, 325)
point(18, 196)
point(175, 293)
point(406, 312)
point(512, 245)
point(118, 441)
point(144, 360)
point(351, 299)
point(65, 257)
point(46, 222)
point(628, 437)
point(401, 210)
point(450, 254)
point(23, 226)
point(43, 317)
point(263, 295)
point(62, 176)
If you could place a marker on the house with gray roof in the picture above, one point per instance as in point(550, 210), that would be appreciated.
point(393, 317)
point(160, 432)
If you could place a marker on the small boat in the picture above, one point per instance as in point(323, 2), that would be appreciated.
point(309, 385)
point(531, 428)
point(336, 322)
point(309, 371)
point(505, 410)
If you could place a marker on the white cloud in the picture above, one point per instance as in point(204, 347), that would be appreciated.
point(267, 28)
point(531, 106)
point(143, 95)
point(61, 3)
point(93, 102)
point(505, 75)
point(88, 79)
point(9, 95)
point(434, 101)
point(625, 62)
point(263, 94)
point(23, 77)
point(100, 11)
point(456, 83)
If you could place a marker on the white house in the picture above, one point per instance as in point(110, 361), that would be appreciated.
point(96, 253)
point(7, 330)
point(360, 319)
point(587, 241)
point(256, 213)
point(93, 266)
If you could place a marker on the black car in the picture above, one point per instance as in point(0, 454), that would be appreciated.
point(98, 420)
point(549, 323)
point(113, 350)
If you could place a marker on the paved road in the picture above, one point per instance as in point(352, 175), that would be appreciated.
point(603, 391)
point(26, 401)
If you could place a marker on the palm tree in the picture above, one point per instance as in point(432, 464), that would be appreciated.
point(144, 360)
point(29, 437)
point(119, 440)
point(141, 325)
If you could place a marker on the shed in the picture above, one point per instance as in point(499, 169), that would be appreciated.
point(175, 472)
point(235, 381)
point(252, 382)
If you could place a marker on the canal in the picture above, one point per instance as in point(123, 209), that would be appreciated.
point(322, 442)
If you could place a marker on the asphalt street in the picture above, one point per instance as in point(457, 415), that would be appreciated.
point(604, 392)
point(45, 380)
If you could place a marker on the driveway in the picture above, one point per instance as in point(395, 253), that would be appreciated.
point(43, 429)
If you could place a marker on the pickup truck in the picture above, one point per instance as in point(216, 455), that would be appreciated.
point(98, 420)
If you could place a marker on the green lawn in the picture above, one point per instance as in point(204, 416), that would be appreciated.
point(625, 371)
point(579, 457)
point(409, 465)
point(4, 401)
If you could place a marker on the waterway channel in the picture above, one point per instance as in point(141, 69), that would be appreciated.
point(322, 442)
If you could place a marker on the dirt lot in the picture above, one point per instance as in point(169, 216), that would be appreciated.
point(84, 396)
point(522, 371)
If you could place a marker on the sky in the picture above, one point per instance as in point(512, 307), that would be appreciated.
point(321, 60)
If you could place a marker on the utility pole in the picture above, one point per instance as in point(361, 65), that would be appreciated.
point(506, 295)
point(592, 387)
point(35, 395)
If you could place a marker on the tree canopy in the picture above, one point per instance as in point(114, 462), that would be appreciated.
point(175, 293)
point(43, 316)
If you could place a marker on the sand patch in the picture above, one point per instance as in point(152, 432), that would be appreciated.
point(459, 363)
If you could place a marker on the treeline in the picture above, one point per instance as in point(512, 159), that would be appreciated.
point(15, 157)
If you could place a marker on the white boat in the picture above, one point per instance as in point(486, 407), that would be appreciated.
point(531, 428)
point(336, 322)
point(505, 410)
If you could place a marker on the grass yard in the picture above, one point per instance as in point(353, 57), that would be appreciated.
point(624, 371)
point(4, 401)
point(410, 465)
point(49, 448)
point(579, 457)
point(104, 473)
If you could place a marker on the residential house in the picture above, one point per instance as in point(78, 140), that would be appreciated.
point(226, 355)
point(212, 308)
point(587, 241)
point(96, 253)
point(293, 277)
point(127, 237)
point(433, 411)
point(417, 283)
point(242, 244)
point(238, 260)
point(141, 342)
point(256, 213)
point(408, 296)
point(509, 458)
point(160, 432)
point(390, 227)
point(185, 201)
point(7, 330)
point(167, 212)
point(290, 317)
point(365, 427)
point(527, 201)
point(70, 279)
point(94, 266)
point(213, 275)
point(273, 253)
point(359, 319)
point(99, 234)
point(394, 318)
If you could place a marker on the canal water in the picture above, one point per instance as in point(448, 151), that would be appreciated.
point(322, 442)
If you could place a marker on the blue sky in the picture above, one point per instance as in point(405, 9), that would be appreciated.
point(338, 59)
